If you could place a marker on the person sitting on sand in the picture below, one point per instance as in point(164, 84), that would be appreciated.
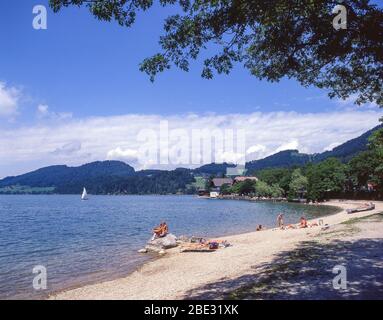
point(260, 227)
point(280, 220)
point(303, 223)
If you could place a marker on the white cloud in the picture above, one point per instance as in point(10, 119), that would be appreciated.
point(331, 146)
point(76, 141)
point(256, 148)
point(291, 145)
point(9, 100)
point(256, 152)
point(43, 112)
point(230, 156)
point(120, 154)
point(68, 148)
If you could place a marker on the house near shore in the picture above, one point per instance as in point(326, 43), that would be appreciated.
point(214, 194)
point(219, 182)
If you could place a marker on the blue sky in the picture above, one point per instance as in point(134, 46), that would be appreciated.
point(91, 68)
point(80, 69)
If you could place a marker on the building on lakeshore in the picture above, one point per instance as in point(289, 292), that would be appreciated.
point(219, 182)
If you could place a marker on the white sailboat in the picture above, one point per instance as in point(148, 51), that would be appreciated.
point(84, 195)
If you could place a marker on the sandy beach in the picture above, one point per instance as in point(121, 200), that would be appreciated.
point(268, 264)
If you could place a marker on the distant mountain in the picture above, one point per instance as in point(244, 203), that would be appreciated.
point(291, 158)
point(286, 158)
point(101, 177)
point(149, 182)
point(71, 179)
point(349, 149)
point(116, 177)
point(213, 169)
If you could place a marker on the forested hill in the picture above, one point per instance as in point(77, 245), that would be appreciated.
point(217, 169)
point(291, 158)
point(101, 177)
point(116, 177)
point(349, 149)
point(70, 179)
point(286, 158)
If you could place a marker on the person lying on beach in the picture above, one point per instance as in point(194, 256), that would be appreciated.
point(290, 226)
point(368, 205)
point(302, 224)
point(280, 220)
point(160, 231)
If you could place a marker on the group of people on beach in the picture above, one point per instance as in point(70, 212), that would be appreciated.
point(162, 229)
point(302, 223)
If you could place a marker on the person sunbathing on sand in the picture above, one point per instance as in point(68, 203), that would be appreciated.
point(302, 224)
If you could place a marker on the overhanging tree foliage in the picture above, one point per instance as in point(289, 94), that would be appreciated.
point(271, 38)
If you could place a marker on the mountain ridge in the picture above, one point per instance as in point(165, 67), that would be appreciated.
point(289, 158)
point(66, 179)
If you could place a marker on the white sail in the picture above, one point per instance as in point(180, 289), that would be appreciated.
point(84, 195)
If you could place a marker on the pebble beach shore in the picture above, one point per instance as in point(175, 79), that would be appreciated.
point(218, 274)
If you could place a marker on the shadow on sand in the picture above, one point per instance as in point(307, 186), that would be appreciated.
point(306, 273)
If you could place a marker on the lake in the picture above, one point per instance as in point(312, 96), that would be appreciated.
point(81, 242)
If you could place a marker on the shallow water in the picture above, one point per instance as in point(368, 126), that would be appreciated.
point(87, 241)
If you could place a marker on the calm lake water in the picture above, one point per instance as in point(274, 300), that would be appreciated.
point(88, 241)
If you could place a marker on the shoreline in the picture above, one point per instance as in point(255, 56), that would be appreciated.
point(164, 278)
